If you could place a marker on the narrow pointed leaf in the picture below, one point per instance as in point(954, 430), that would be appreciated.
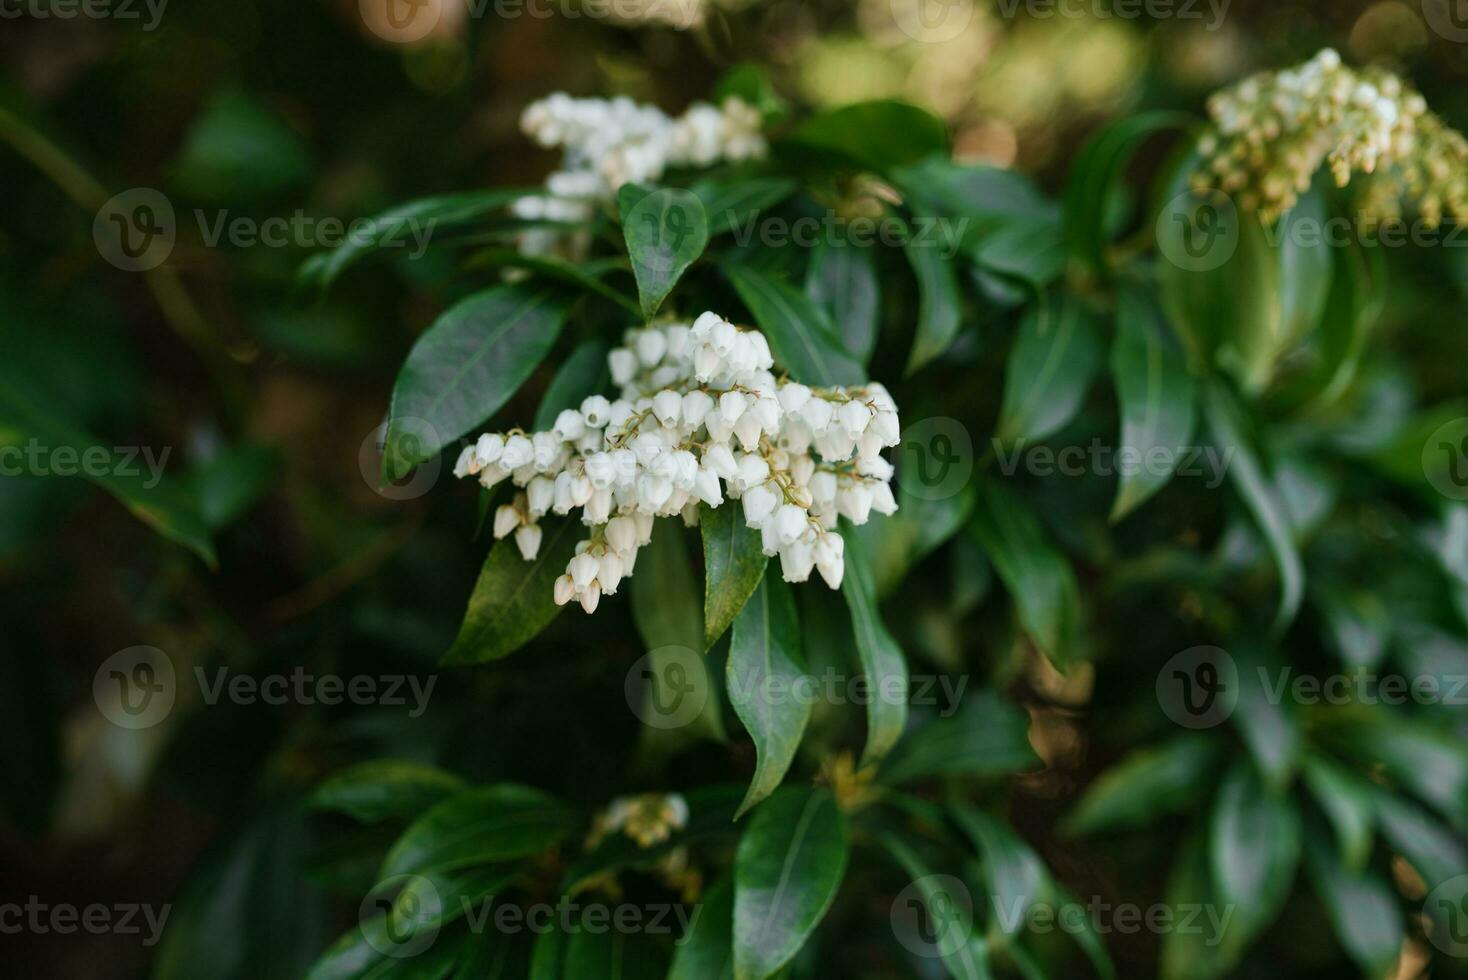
point(1254, 846)
point(666, 230)
point(499, 822)
point(733, 565)
point(1050, 370)
point(842, 280)
point(882, 660)
point(940, 305)
point(801, 338)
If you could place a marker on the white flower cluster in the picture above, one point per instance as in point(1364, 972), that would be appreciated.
point(611, 142)
point(1274, 131)
point(700, 418)
point(649, 819)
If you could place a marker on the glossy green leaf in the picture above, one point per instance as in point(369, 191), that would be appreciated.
point(479, 826)
point(706, 952)
point(431, 900)
point(882, 660)
point(514, 599)
point(240, 150)
point(1097, 177)
point(465, 367)
point(940, 305)
point(1346, 800)
point(1015, 875)
point(733, 565)
point(1250, 479)
point(963, 953)
point(1158, 398)
point(842, 280)
point(1254, 846)
point(877, 136)
point(1263, 717)
point(1210, 948)
point(666, 231)
point(153, 498)
point(366, 952)
point(1436, 852)
point(991, 198)
point(608, 953)
point(763, 671)
point(1354, 304)
point(787, 870)
point(801, 338)
point(1039, 578)
point(584, 373)
point(1431, 763)
point(1363, 909)
point(385, 788)
point(985, 736)
point(1147, 784)
point(548, 958)
point(1307, 264)
point(1050, 369)
point(735, 205)
point(402, 227)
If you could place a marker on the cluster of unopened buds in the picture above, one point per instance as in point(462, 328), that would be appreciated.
point(701, 420)
point(1274, 131)
point(611, 142)
point(649, 819)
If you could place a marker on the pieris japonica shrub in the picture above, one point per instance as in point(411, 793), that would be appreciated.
point(843, 454)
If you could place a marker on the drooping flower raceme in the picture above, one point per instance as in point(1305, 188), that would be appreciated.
point(611, 142)
point(700, 419)
point(1275, 130)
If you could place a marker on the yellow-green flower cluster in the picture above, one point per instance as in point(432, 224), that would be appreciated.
point(1272, 132)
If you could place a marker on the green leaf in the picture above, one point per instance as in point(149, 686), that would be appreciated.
point(513, 600)
point(373, 951)
point(763, 669)
point(548, 959)
point(801, 338)
point(1032, 252)
point(1039, 578)
point(1363, 910)
point(733, 205)
point(1267, 726)
point(479, 826)
point(1430, 763)
point(585, 276)
point(1434, 851)
point(842, 280)
point(1209, 949)
point(1054, 360)
point(429, 901)
point(668, 614)
point(585, 373)
point(733, 565)
point(608, 953)
point(1014, 873)
point(1347, 802)
point(706, 952)
point(465, 367)
point(921, 525)
point(401, 226)
point(986, 736)
point(1357, 297)
point(787, 871)
point(991, 198)
point(749, 82)
point(882, 660)
point(1096, 179)
point(940, 306)
point(385, 788)
point(1157, 394)
point(154, 499)
point(1257, 490)
point(1255, 849)
point(1220, 283)
point(239, 150)
point(666, 231)
point(876, 136)
point(1147, 784)
point(963, 953)
point(1307, 267)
